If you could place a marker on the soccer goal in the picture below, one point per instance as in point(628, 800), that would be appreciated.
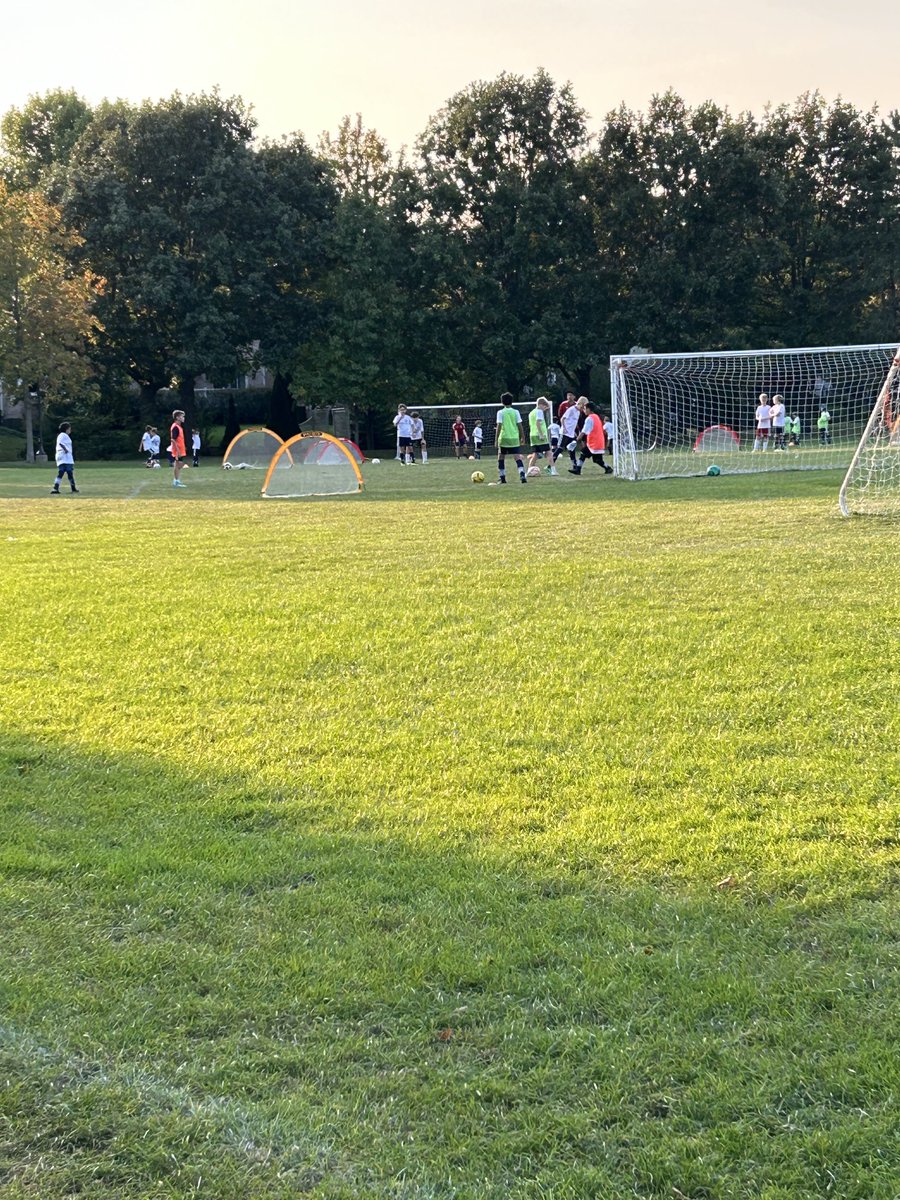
point(872, 484)
point(312, 464)
point(679, 414)
point(253, 448)
point(438, 420)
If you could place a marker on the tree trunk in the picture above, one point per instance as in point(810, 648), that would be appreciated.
point(583, 376)
point(149, 392)
point(29, 429)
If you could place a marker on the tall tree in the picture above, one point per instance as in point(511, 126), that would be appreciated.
point(500, 169)
point(46, 319)
point(38, 139)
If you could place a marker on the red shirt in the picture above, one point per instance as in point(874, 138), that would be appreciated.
point(459, 431)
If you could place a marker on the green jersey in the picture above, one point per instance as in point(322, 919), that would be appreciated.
point(824, 419)
point(509, 421)
point(795, 426)
point(537, 427)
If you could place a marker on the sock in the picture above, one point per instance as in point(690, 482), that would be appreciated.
point(424, 457)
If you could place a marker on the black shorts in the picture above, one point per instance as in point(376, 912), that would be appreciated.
point(502, 450)
point(405, 443)
point(541, 448)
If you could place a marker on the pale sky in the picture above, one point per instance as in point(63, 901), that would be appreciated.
point(304, 65)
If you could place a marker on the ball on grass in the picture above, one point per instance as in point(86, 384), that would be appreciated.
point(714, 470)
point(478, 476)
point(533, 471)
point(375, 462)
point(471, 458)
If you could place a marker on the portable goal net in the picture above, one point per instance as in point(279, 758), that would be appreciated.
point(312, 464)
point(253, 448)
point(679, 414)
point(871, 486)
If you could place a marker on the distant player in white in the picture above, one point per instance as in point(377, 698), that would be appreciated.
point(477, 438)
point(404, 426)
point(154, 448)
point(65, 459)
point(763, 423)
point(418, 437)
point(146, 446)
point(195, 447)
point(555, 431)
point(608, 430)
point(570, 419)
point(779, 415)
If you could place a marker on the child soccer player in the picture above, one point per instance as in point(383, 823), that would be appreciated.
point(796, 429)
point(146, 446)
point(195, 447)
point(460, 439)
point(418, 438)
point(477, 438)
point(539, 435)
point(508, 437)
point(177, 447)
point(404, 426)
point(763, 423)
point(779, 415)
point(593, 438)
point(65, 459)
point(154, 447)
point(822, 425)
point(554, 439)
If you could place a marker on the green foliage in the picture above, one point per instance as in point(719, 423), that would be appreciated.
point(38, 139)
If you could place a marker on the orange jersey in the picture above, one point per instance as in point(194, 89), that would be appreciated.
point(176, 433)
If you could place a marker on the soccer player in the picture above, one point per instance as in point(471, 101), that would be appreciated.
point(65, 459)
point(796, 429)
point(146, 446)
point(569, 402)
point(154, 447)
point(418, 438)
point(539, 435)
point(571, 419)
point(404, 426)
point(460, 437)
point(763, 423)
point(477, 438)
point(822, 425)
point(779, 416)
point(593, 439)
point(177, 447)
point(195, 447)
point(508, 437)
point(608, 430)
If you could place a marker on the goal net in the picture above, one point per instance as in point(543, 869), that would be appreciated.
point(438, 421)
point(679, 414)
point(872, 484)
point(312, 464)
point(253, 448)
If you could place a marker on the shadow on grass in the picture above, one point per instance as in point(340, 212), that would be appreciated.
point(213, 988)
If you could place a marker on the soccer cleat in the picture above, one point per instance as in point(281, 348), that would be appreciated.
point(76, 490)
point(553, 471)
point(54, 491)
point(501, 481)
point(574, 470)
point(608, 470)
point(178, 483)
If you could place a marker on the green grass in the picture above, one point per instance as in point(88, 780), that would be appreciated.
point(447, 841)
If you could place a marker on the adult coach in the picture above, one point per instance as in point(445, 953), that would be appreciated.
point(177, 446)
point(508, 437)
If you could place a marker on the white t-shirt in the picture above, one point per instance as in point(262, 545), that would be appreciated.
point(554, 430)
point(764, 416)
point(477, 435)
point(195, 441)
point(64, 456)
point(418, 428)
point(778, 415)
point(154, 443)
point(403, 421)
point(145, 442)
point(608, 430)
point(570, 420)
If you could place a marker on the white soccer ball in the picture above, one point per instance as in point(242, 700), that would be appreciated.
point(533, 471)
point(375, 462)
point(227, 467)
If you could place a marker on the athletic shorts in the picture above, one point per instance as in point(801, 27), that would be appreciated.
point(405, 443)
point(541, 448)
point(501, 450)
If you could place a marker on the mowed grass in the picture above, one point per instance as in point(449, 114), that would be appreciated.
point(448, 841)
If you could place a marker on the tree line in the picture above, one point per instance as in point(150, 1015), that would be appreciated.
point(148, 244)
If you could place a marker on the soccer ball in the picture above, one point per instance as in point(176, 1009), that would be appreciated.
point(375, 462)
point(478, 476)
point(227, 467)
point(533, 471)
point(714, 470)
point(471, 458)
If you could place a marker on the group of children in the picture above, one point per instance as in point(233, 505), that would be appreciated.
point(580, 428)
point(772, 421)
point(150, 444)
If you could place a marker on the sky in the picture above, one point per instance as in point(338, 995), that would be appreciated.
point(303, 66)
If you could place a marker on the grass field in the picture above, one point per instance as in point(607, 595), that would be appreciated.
point(447, 841)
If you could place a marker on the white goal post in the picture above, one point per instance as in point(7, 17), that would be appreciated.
point(438, 422)
point(680, 414)
point(871, 486)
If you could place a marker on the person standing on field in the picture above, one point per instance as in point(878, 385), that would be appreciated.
point(177, 447)
point(154, 447)
point(508, 437)
point(571, 421)
point(779, 416)
point(65, 459)
point(593, 437)
point(477, 438)
point(822, 425)
point(404, 426)
point(195, 447)
point(460, 438)
point(796, 429)
point(146, 446)
point(418, 438)
point(763, 423)
point(539, 435)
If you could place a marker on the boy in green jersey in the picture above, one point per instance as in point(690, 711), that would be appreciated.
point(508, 437)
point(539, 435)
point(822, 425)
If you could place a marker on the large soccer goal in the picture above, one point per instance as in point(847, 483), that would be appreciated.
point(679, 414)
point(438, 421)
point(872, 483)
point(312, 464)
